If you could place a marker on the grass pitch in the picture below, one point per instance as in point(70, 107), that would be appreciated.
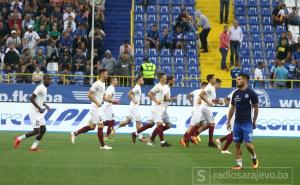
point(62, 163)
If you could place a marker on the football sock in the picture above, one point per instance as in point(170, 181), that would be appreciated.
point(144, 127)
point(154, 133)
point(223, 138)
point(100, 136)
point(228, 141)
point(196, 133)
point(35, 144)
point(20, 138)
point(111, 124)
point(160, 131)
point(83, 130)
point(239, 162)
point(211, 133)
point(186, 137)
point(165, 128)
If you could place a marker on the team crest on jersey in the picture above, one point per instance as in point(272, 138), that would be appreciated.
point(246, 95)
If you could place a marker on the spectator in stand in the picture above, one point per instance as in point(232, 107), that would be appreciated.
point(65, 80)
point(224, 46)
point(283, 51)
point(258, 76)
point(17, 4)
point(292, 69)
point(70, 22)
point(235, 72)
point(15, 19)
point(236, 39)
point(203, 22)
point(43, 21)
point(81, 30)
point(224, 4)
point(44, 36)
point(37, 76)
point(290, 38)
point(109, 63)
point(6, 71)
point(152, 37)
point(123, 68)
point(83, 14)
point(30, 39)
point(4, 33)
point(79, 61)
point(27, 21)
point(294, 18)
point(296, 55)
point(40, 59)
point(294, 46)
point(165, 39)
point(178, 38)
point(128, 52)
point(65, 41)
point(14, 48)
point(283, 36)
point(128, 47)
point(25, 57)
point(56, 13)
point(148, 70)
point(54, 34)
point(272, 71)
point(99, 18)
point(14, 39)
point(23, 78)
point(12, 58)
point(281, 75)
point(69, 12)
point(98, 41)
point(276, 17)
point(65, 61)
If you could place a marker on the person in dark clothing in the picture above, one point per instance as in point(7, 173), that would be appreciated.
point(224, 4)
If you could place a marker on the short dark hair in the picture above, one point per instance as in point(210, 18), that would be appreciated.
point(260, 63)
point(204, 84)
point(160, 74)
point(102, 70)
point(113, 78)
point(46, 77)
point(209, 77)
point(169, 78)
point(218, 81)
point(245, 76)
point(138, 78)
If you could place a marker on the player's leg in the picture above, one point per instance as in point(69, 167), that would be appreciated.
point(211, 126)
point(100, 135)
point(89, 127)
point(238, 139)
point(229, 139)
point(247, 133)
point(42, 131)
point(167, 124)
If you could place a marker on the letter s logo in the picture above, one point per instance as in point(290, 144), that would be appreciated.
point(200, 176)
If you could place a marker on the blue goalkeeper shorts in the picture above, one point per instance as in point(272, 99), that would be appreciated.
point(243, 132)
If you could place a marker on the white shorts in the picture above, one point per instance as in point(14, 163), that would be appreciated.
point(134, 114)
point(166, 117)
point(195, 116)
point(108, 113)
point(157, 113)
point(96, 115)
point(205, 114)
point(37, 119)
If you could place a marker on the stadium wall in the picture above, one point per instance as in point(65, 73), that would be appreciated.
point(64, 117)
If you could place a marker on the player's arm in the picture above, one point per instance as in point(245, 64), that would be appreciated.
point(108, 98)
point(230, 114)
point(151, 95)
point(190, 98)
point(131, 97)
point(166, 99)
point(92, 98)
point(203, 97)
point(255, 107)
point(32, 99)
point(45, 105)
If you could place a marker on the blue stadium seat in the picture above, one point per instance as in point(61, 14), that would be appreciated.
point(242, 20)
point(254, 29)
point(253, 20)
point(252, 3)
point(152, 52)
point(257, 53)
point(139, 27)
point(138, 60)
point(280, 29)
point(189, 2)
point(252, 11)
point(269, 45)
point(193, 83)
point(165, 53)
point(139, 35)
point(270, 54)
point(152, 2)
point(166, 60)
point(176, 10)
point(178, 53)
point(179, 61)
point(267, 29)
point(139, 2)
point(246, 37)
point(193, 76)
point(190, 36)
point(275, 3)
point(136, 69)
point(190, 9)
point(193, 61)
point(238, 3)
point(247, 70)
point(179, 77)
point(193, 70)
point(79, 79)
point(265, 11)
point(153, 60)
point(139, 43)
point(245, 52)
point(139, 9)
point(164, 18)
point(191, 44)
point(163, 2)
point(164, 9)
point(256, 37)
point(174, 17)
point(265, 3)
point(177, 2)
point(151, 18)
point(239, 11)
point(151, 9)
point(139, 18)
point(166, 68)
point(257, 45)
point(139, 52)
point(257, 60)
point(192, 53)
point(244, 28)
point(179, 69)
point(246, 62)
point(245, 45)
point(268, 37)
point(266, 20)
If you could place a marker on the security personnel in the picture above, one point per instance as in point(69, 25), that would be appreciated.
point(148, 70)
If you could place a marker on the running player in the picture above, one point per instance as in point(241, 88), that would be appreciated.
point(36, 115)
point(195, 100)
point(157, 94)
point(167, 99)
point(135, 96)
point(107, 106)
point(97, 95)
point(244, 100)
point(229, 137)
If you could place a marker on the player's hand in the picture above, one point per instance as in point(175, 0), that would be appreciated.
point(115, 102)
point(41, 110)
point(157, 102)
point(228, 126)
point(98, 104)
point(254, 125)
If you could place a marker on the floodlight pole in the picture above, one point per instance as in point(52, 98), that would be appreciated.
point(92, 43)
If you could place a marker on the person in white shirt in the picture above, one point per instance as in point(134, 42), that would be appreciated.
point(97, 95)
point(70, 22)
point(69, 12)
point(236, 39)
point(36, 115)
point(37, 75)
point(107, 106)
point(135, 96)
point(30, 39)
point(195, 100)
point(258, 75)
point(156, 95)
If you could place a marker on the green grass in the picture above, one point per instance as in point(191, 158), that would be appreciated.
point(61, 163)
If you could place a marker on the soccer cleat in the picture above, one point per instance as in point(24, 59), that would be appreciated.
point(194, 140)
point(112, 133)
point(165, 144)
point(73, 137)
point(199, 139)
point(254, 163)
point(133, 137)
point(182, 143)
point(143, 140)
point(17, 143)
point(35, 149)
point(105, 147)
point(218, 143)
point(225, 152)
point(150, 143)
point(212, 145)
point(237, 167)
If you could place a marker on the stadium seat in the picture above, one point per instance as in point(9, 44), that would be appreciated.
point(193, 70)
point(166, 68)
point(267, 29)
point(165, 53)
point(239, 11)
point(191, 44)
point(257, 60)
point(257, 45)
point(139, 18)
point(269, 45)
point(164, 18)
point(242, 20)
point(252, 3)
point(254, 29)
point(138, 27)
point(257, 53)
point(163, 2)
point(280, 29)
point(179, 61)
point(139, 52)
point(189, 2)
point(256, 37)
point(139, 34)
point(192, 53)
point(190, 9)
point(166, 60)
point(178, 53)
point(265, 11)
point(238, 3)
point(192, 61)
point(139, 9)
point(190, 36)
point(265, 3)
point(245, 45)
point(252, 11)
point(179, 77)
point(176, 10)
point(246, 62)
point(193, 76)
point(245, 52)
point(244, 29)
point(163, 25)
point(151, 9)
point(270, 54)
point(139, 43)
point(152, 52)
point(79, 79)
point(153, 60)
point(44, 49)
point(55, 79)
point(138, 60)
point(247, 70)
point(138, 2)
point(193, 83)
point(177, 2)
point(164, 9)
point(266, 20)
point(253, 20)
point(179, 69)
point(151, 18)
point(268, 37)
point(152, 2)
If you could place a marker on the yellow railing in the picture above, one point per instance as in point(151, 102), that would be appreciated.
point(131, 35)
